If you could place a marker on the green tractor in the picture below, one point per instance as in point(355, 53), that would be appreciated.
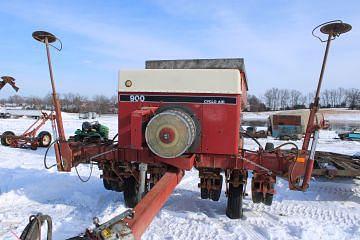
point(93, 132)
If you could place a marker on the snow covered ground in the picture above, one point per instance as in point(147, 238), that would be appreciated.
point(328, 210)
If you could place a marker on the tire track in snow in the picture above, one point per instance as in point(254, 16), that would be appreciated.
point(338, 216)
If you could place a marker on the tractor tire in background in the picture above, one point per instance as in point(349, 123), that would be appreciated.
point(130, 192)
point(44, 139)
point(5, 138)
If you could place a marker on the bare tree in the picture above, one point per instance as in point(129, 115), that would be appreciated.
point(353, 98)
point(34, 102)
point(79, 102)
point(325, 98)
point(295, 98)
point(114, 103)
point(102, 104)
point(271, 97)
point(310, 98)
point(284, 98)
point(16, 99)
point(340, 97)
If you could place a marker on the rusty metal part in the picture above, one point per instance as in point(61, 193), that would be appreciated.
point(113, 229)
point(263, 183)
point(44, 37)
point(236, 177)
point(8, 80)
point(335, 29)
point(333, 165)
point(210, 183)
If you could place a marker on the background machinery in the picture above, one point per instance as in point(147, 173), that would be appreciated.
point(177, 115)
point(91, 132)
point(353, 135)
point(30, 138)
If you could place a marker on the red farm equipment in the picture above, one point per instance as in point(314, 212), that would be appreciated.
point(30, 138)
point(177, 115)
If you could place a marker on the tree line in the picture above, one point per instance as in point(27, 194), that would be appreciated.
point(285, 99)
point(70, 102)
point(273, 99)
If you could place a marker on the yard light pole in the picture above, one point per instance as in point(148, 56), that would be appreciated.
point(60, 146)
point(333, 29)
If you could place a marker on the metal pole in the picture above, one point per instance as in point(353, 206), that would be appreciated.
point(57, 107)
point(315, 106)
point(311, 125)
point(50, 69)
point(322, 70)
point(63, 152)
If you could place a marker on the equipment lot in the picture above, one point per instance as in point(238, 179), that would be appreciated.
point(328, 210)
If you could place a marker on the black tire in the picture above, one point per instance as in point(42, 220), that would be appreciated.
point(204, 193)
point(257, 197)
point(234, 209)
point(44, 139)
point(5, 138)
point(130, 192)
point(268, 199)
point(269, 146)
point(215, 194)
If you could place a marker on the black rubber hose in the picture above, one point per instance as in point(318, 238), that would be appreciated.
point(284, 144)
point(254, 139)
point(88, 178)
point(45, 156)
point(115, 137)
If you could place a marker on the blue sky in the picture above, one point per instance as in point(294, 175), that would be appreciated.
point(102, 37)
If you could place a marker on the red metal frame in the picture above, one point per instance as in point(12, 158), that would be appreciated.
point(29, 135)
